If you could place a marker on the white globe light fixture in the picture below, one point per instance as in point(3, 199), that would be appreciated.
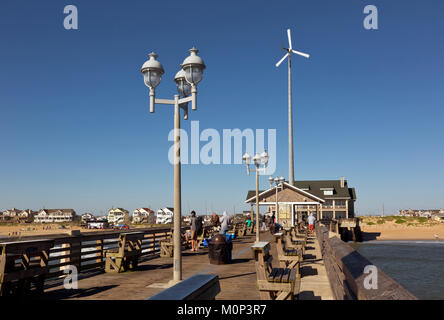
point(152, 72)
point(193, 66)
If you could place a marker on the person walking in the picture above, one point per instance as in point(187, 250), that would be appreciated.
point(224, 222)
point(311, 221)
point(193, 229)
point(264, 226)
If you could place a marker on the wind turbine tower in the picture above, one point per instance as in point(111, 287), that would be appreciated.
point(290, 106)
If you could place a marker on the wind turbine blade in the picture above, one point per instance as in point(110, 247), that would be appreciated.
point(301, 53)
point(289, 38)
point(280, 61)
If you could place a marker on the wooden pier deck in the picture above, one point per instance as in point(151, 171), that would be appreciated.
point(237, 280)
point(314, 281)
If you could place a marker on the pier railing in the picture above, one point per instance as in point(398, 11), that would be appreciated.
point(352, 276)
point(85, 250)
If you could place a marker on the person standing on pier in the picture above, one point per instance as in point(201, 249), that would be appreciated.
point(311, 221)
point(193, 229)
point(215, 220)
point(224, 221)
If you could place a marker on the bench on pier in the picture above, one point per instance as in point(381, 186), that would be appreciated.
point(288, 258)
point(167, 245)
point(204, 233)
point(242, 231)
point(126, 255)
point(294, 243)
point(274, 283)
point(196, 287)
point(235, 228)
point(16, 278)
point(250, 229)
point(297, 234)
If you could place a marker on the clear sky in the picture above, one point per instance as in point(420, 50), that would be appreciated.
point(76, 132)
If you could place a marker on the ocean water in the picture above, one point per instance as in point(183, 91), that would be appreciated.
point(417, 265)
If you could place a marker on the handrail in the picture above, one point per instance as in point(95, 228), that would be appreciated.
point(345, 270)
point(86, 250)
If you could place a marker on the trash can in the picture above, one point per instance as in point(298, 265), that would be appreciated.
point(219, 250)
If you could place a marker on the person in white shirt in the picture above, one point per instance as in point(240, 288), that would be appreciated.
point(311, 221)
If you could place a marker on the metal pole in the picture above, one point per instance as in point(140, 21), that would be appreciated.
point(257, 204)
point(177, 269)
point(290, 126)
point(277, 205)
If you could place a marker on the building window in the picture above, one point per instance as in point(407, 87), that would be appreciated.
point(328, 192)
point(327, 204)
point(340, 214)
point(328, 215)
point(339, 203)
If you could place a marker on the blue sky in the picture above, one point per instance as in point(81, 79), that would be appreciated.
point(76, 130)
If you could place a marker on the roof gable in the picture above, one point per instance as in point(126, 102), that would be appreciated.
point(271, 192)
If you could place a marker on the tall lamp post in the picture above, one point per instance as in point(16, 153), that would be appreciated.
point(279, 186)
point(257, 160)
point(186, 80)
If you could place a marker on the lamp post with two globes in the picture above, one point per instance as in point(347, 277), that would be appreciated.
point(258, 159)
point(186, 80)
point(279, 185)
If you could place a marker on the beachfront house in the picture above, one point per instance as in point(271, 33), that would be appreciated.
point(55, 215)
point(144, 215)
point(427, 213)
point(118, 216)
point(438, 217)
point(165, 215)
point(9, 214)
point(326, 199)
point(87, 217)
point(27, 215)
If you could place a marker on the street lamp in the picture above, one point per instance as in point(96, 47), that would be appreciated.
point(258, 159)
point(186, 80)
point(279, 186)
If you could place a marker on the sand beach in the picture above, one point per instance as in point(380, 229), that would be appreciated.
point(397, 228)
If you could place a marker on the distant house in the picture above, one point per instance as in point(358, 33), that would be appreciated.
point(419, 212)
point(87, 217)
point(11, 213)
point(144, 215)
point(27, 215)
point(438, 217)
point(97, 224)
point(55, 215)
point(117, 216)
point(165, 215)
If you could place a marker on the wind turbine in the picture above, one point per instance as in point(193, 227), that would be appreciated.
point(290, 107)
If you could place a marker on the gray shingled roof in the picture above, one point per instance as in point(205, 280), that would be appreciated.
point(314, 187)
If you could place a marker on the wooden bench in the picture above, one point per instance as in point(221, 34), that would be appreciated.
point(234, 229)
point(294, 243)
point(242, 230)
point(250, 229)
point(167, 246)
point(196, 287)
point(274, 283)
point(288, 258)
point(126, 255)
point(297, 235)
point(201, 236)
point(16, 278)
